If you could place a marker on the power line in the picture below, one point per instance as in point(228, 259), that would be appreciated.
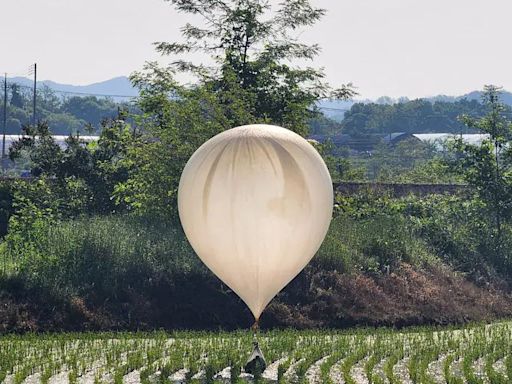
point(334, 109)
point(92, 94)
point(76, 93)
point(134, 96)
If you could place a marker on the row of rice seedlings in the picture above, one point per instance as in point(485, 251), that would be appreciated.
point(497, 350)
point(448, 376)
point(315, 352)
point(425, 350)
point(118, 354)
point(28, 360)
point(380, 350)
point(475, 350)
point(341, 348)
point(391, 362)
point(508, 365)
point(494, 376)
point(223, 353)
point(359, 354)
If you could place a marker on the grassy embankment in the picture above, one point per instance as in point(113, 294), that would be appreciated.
point(392, 262)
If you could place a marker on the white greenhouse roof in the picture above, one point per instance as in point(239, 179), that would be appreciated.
point(468, 138)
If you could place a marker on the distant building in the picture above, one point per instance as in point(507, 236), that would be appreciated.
point(396, 137)
point(440, 138)
point(366, 143)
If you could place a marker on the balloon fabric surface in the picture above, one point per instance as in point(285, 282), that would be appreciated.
point(255, 203)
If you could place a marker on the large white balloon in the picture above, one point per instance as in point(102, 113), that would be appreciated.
point(255, 203)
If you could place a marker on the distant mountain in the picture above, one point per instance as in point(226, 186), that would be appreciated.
point(119, 87)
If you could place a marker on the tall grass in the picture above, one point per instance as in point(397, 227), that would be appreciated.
point(374, 244)
point(103, 253)
point(106, 253)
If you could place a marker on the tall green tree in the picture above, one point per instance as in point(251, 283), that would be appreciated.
point(488, 167)
point(251, 45)
point(249, 77)
point(174, 128)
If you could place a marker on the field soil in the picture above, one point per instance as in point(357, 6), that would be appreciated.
point(315, 299)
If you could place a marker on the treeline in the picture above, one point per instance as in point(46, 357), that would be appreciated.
point(83, 114)
point(64, 115)
point(416, 116)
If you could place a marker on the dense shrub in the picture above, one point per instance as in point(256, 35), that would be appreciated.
point(373, 244)
point(6, 207)
point(104, 254)
point(450, 228)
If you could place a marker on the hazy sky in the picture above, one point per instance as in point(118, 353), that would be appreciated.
point(385, 47)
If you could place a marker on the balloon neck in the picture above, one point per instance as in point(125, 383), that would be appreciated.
point(255, 328)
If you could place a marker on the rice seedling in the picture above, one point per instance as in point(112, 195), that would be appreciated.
point(474, 354)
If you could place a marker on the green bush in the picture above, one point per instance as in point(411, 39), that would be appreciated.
point(374, 243)
point(386, 230)
point(104, 254)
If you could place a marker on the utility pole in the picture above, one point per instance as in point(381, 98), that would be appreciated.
point(35, 95)
point(5, 123)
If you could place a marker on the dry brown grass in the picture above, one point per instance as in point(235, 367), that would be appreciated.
point(406, 296)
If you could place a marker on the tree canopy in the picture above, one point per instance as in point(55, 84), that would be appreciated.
point(488, 167)
point(251, 45)
point(416, 116)
point(64, 115)
point(249, 79)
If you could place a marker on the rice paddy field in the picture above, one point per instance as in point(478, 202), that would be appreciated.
point(475, 354)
